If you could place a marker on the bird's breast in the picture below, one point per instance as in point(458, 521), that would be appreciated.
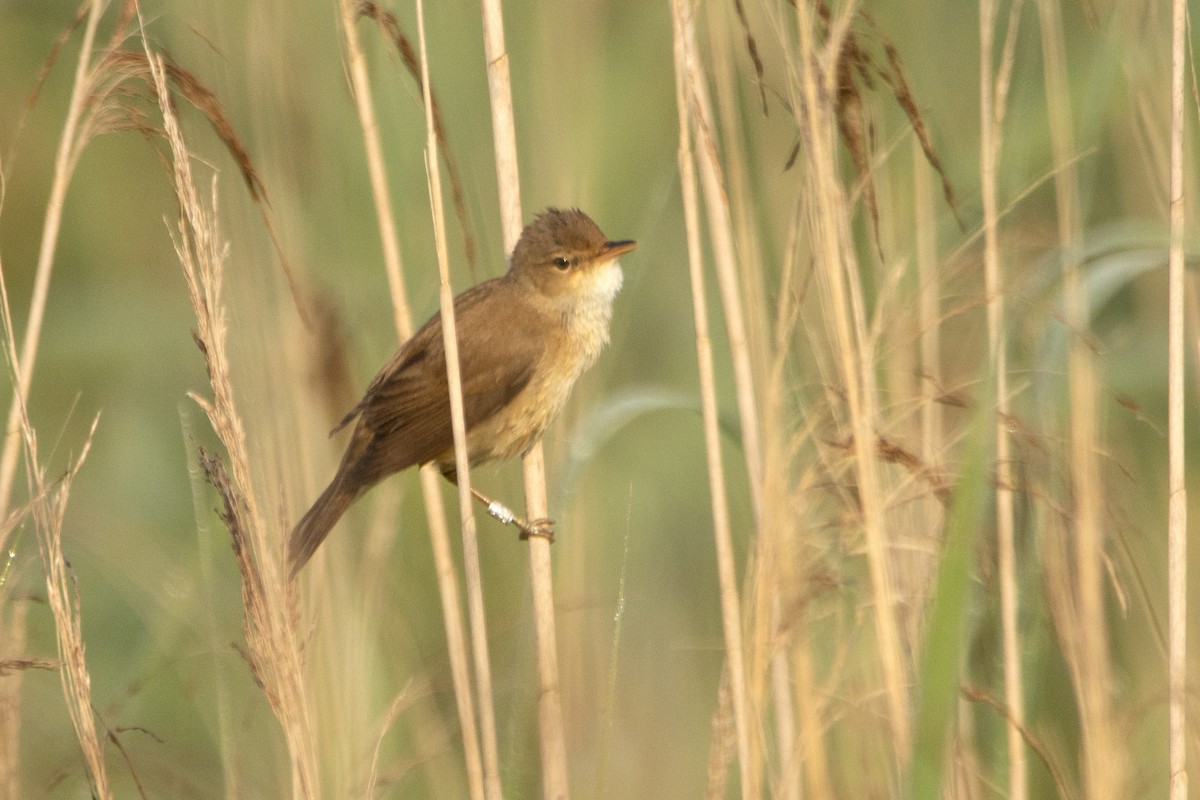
point(518, 426)
point(583, 332)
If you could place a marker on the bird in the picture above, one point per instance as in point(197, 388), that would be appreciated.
point(524, 338)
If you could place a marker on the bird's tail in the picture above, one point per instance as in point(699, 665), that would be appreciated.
point(315, 525)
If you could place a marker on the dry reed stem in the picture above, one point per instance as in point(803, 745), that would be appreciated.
point(1103, 762)
point(551, 723)
point(380, 195)
point(716, 198)
point(12, 614)
point(551, 732)
point(49, 502)
point(838, 279)
point(269, 625)
point(803, 750)
point(929, 324)
point(739, 261)
point(767, 663)
point(70, 145)
point(1177, 485)
point(48, 505)
point(779, 536)
point(993, 96)
point(447, 576)
point(812, 747)
point(686, 80)
point(504, 133)
point(49, 509)
point(12, 644)
point(767, 667)
point(928, 307)
point(474, 580)
point(739, 270)
point(391, 27)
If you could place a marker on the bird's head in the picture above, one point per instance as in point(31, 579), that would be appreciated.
point(564, 256)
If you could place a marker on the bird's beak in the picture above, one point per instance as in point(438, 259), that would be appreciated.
point(613, 249)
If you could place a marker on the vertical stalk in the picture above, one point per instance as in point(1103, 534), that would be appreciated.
point(435, 512)
point(992, 97)
point(483, 670)
point(716, 204)
point(1102, 760)
point(504, 132)
point(551, 729)
point(838, 271)
point(685, 78)
point(1177, 499)
point(929, 315)
point(69, 147)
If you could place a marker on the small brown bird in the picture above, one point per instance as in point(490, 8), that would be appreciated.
point(523, 340)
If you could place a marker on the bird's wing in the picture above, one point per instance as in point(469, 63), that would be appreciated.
point(407, 407)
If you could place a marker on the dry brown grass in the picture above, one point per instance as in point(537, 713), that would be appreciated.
point(693, 113)
point(47, 510)
point(274, 646)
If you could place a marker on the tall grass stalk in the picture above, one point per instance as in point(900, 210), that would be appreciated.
point(435, 513)
point(75, 135)
point(838, 276)
point(48, 504)
point(1177, 475)
point(774, 528)
point(504, 133)
point(740, 276)
point(686, 79)
point(992, 105)
point(483, 670)
point(12, 647)
point(1104, 772)
point(62, 592)
point(376, 167)
point(803, 744)
point(721, 236)
point(551, 730)
point(929, 316)
point(552, 735)
point(269, 605)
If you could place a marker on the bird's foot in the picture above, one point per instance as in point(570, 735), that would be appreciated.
point(543, 528)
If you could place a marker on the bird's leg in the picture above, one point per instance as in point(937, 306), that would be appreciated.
point(505, 516)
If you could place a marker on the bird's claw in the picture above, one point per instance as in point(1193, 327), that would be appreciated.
point(543, 528)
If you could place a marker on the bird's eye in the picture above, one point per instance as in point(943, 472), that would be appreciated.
point(562, 263)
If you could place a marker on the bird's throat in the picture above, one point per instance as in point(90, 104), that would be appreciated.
point(587, 319)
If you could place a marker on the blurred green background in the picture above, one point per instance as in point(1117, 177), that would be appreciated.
point(597, 128)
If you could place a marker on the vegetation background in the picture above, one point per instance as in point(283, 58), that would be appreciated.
point(639, 617)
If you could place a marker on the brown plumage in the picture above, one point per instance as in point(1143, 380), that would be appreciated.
point(523, 340)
